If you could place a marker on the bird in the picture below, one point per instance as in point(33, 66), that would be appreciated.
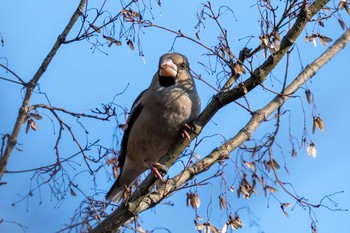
point(158, 116)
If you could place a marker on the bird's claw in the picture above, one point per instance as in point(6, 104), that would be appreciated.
point(184, 132)
point(156, 168)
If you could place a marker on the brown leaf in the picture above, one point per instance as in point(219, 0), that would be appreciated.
point(131, 45)
point(342, 24)
point(250, 165)
point(324, 40)
point(193, 200)
point(96, 29)
point(197, 35)
point(236, 222)
point(37, 116)
point(311, 150)
point(72, 192)
point(245, 90)
point(347, 9)
point(271, 189)
point(320, 22)
point(274, 164)
point(318, 123)
point(308, 96)
point(27, 127)
point(276, 35)
point(112, 41)
point(239, 68)
point(222, 202)
point(33, 125)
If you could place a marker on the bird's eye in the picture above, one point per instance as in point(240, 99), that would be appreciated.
point(183, 65)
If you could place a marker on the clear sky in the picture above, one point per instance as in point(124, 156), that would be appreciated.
point(80, 79)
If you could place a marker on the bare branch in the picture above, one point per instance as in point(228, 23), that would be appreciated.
point(12, 139)
point(142, 199)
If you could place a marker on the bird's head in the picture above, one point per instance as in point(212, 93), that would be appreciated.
point(173, 69)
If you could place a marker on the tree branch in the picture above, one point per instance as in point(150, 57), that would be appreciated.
point(12, 139)
point(143, 199)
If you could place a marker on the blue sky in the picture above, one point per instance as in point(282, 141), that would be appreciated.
point(79, 79)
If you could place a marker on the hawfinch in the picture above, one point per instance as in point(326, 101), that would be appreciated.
point(156, 119)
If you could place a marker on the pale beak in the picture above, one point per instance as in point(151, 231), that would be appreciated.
point(168, 68)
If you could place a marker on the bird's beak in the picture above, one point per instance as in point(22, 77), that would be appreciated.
point(168, 68)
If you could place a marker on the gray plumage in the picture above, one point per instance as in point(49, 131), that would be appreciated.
point(156, 119)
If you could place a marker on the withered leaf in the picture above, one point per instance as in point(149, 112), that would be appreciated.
point(222, 202)
point(72, 192)
point(239, 68)
point(311, 150)
point(197, 35)
point(37, 116)
point(318, 123)
point(33, 125)
point(243, 86)
point(320, 22)
point(96, 29)
point(131, 44)
point(324, 40)
point(271, 189)
point(308, 96)
point(342, 24)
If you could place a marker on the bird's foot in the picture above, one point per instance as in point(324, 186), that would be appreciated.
point(156, 168)
point(184, 132)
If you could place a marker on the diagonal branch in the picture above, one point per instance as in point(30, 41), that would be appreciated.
point(144, 199)
point(12, 138)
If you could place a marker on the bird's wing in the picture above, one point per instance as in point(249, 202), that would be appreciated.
point(134, 113)
point(136, 109)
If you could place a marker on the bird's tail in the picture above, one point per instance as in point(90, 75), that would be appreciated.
point(115, 194)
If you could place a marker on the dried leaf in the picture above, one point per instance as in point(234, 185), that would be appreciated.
point(72, 192)
point(274, 164)
point(287, 204)
point(313, 227)
point(308, 96)
point(27, 127)
point(222, 202)
point(193, 200)
point(232, 188)
point(294, 153)
point(320, 22)
point(115, 172)
point(239, 68)
point(236, 222)
point(276, 35)
point(342, 24)
point(112, 41)
point(33, 125)
point(324, 40)
point(197, 35)
point(96, 29)
point(347, 9)
point(318, 123)
point(271, 189)
point(37, 116)
point(131, 45)
point(140, 229)
point(224, 228)
point(245, 90)
point(311, 150)
point(250, 165)
point(199, 226)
